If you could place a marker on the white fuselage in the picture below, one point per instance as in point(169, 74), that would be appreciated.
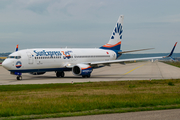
point(34, 60)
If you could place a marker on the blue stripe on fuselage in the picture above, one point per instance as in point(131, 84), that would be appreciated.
point(41, 70)
point(118, 47)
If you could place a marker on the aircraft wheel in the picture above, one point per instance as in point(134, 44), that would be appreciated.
point(86, 76)
point(19, 77)
point(57, 74)
point(60, 74)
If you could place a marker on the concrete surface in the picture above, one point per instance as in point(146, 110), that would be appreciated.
point(131, 71)
point(173, 114)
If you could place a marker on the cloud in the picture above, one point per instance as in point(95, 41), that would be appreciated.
point(10, 35)
point(61, 8)
point(84, 21)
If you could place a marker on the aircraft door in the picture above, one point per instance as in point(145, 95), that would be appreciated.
point(72, 57)
point(30, 58)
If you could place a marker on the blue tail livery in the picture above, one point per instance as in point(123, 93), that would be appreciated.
point(116, 36)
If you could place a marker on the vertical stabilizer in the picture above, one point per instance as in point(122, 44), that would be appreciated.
point(115, 39)
point(17, 47)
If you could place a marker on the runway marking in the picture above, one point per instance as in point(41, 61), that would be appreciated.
point(135, 69)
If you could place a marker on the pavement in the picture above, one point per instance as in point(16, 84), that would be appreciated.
point(173, 114)
point(117, 72)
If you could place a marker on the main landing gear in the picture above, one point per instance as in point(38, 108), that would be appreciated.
point(19, 77)
point(60, 74)
point(86, 76)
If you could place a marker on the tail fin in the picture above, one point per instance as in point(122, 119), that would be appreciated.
point(17, 47)
point(115, 39)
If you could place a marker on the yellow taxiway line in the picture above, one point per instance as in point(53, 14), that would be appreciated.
point(134, 69)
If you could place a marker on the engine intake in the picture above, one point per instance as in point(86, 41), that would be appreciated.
point(82, 69)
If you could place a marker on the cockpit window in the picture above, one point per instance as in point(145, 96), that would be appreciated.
point(10, 56)
point(16, 57)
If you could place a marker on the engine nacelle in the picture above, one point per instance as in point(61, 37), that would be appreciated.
point(82, 69)
point(37, 73)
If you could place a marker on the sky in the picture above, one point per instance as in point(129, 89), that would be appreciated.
point(89, 24)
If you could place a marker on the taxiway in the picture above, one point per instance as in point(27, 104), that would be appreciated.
point(117, 72)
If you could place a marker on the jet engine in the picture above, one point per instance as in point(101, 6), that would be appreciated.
point(82, 69)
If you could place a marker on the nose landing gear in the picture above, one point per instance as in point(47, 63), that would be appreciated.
point(19, 77)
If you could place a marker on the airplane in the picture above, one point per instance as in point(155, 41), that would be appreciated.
point(81, 61)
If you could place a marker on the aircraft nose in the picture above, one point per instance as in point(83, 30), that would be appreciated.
point(6, 64)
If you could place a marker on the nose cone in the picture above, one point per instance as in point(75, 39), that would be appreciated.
point(7, 64)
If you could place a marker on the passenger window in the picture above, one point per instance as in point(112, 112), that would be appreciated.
point(18, 57)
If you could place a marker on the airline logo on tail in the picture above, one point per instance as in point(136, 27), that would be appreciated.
point(118, 29)
point(115, 39)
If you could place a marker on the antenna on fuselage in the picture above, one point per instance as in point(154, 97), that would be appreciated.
point(17, 47)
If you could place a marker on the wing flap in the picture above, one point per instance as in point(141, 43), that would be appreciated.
point(121, 61)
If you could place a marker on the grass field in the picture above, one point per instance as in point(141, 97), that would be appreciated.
point(57, 100)
point(177, 63)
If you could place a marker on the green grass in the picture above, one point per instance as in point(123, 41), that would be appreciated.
point(176, 63)
point(57, 100)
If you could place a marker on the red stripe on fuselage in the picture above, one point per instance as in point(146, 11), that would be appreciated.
point(18, 65)
point(109, 45)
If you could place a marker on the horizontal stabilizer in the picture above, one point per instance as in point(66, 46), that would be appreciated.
point(134, 50)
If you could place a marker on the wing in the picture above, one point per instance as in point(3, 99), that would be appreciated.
point(102, 63)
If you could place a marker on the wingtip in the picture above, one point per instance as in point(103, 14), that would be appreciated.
point(172, 50)
point(175, 44)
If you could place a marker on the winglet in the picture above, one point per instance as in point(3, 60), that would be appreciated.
point(172, 51)
point(17, 47)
